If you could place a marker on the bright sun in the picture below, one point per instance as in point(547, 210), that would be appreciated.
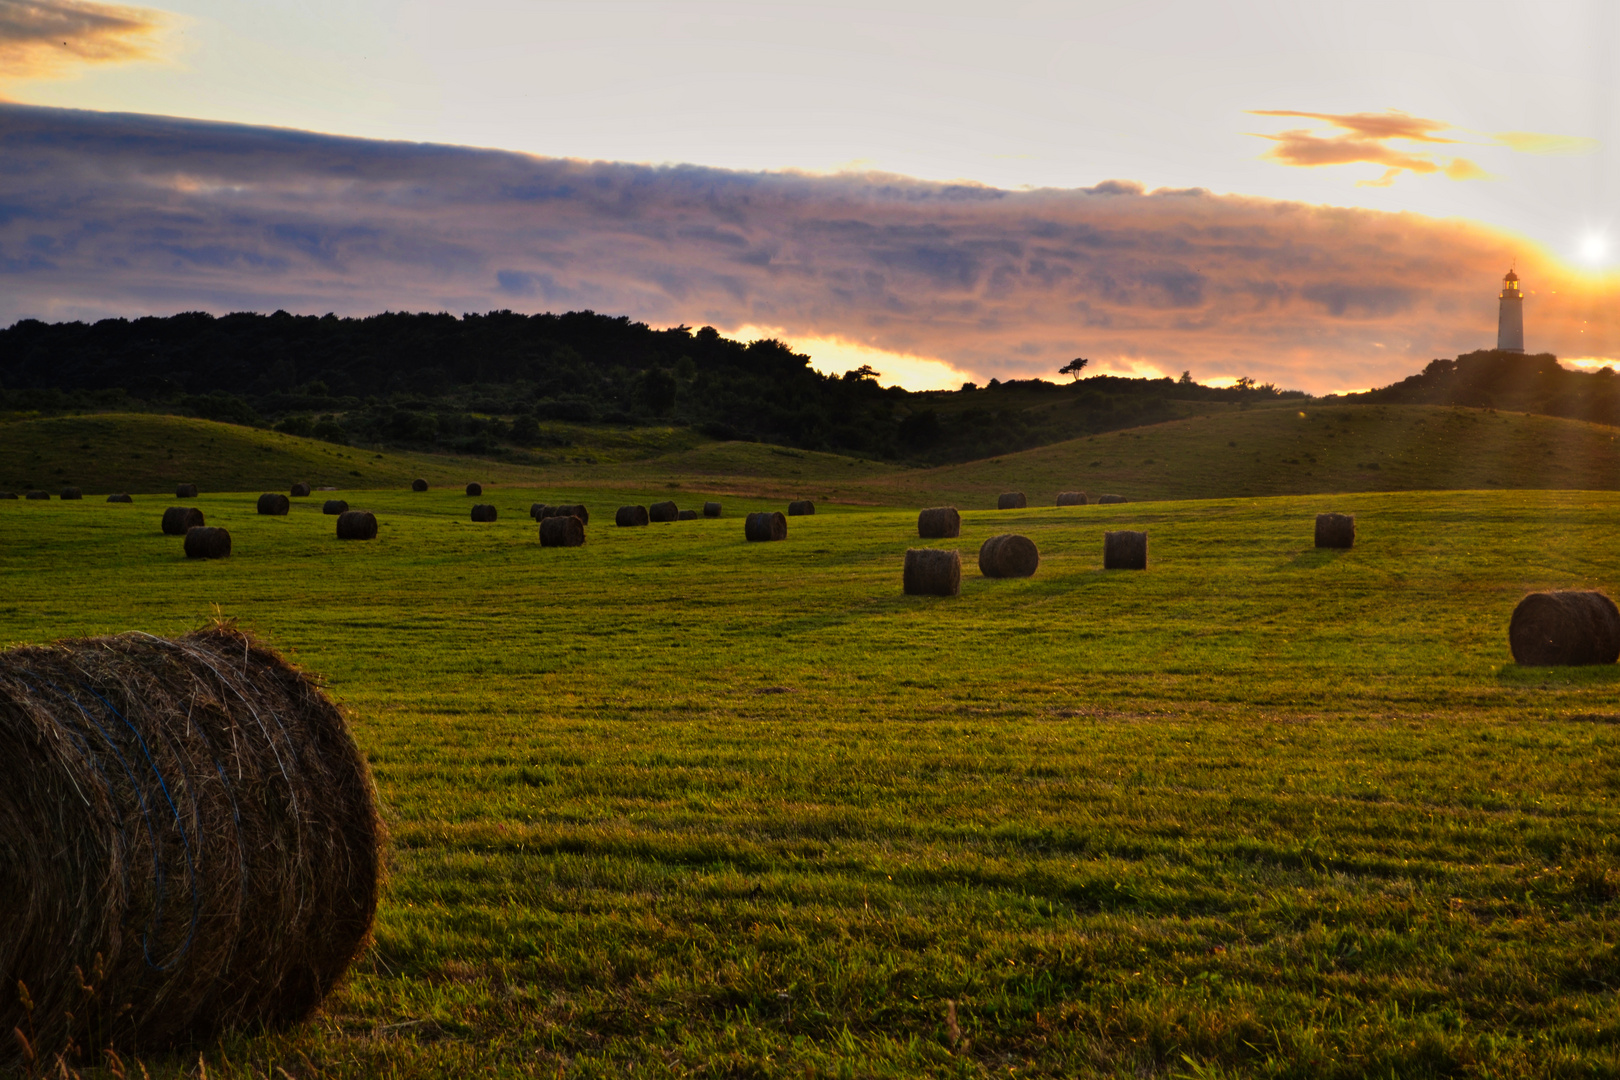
point(1595, 248)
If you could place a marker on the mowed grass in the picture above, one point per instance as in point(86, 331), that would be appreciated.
point(675, 804)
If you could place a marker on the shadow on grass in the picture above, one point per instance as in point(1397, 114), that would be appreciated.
point(1314, 557)
point(1575, 675)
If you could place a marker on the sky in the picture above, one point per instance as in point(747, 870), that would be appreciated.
point(1322, 196)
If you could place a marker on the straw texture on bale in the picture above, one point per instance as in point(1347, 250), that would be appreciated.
point(765, 525)
point(801, 508)
point(301, 490)
point(1565, 627)
point(357, 525)
point(1008, 555)
point(711, 509)
point(688, 515)
point(577, 510)
point(274, 502)
point(1071, 498)
point(563, 530)
point(335, 506)
point(38, 495)
point(177, 520)
point(186, 822)
point(475, 488)
point(483, 512)
point(1011, 500)
point(1335, 530)
point(207, 542)
point(72, 493)
point(630, 515)
point(418, 484)
point(1124, 549)
point(539, 511)
point(932, 572)
point(121, 498)
point(939, 523)
point(1107, 499)
point(664, 511)
point(185, 491)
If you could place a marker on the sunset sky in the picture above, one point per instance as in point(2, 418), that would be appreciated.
point(1323, 196)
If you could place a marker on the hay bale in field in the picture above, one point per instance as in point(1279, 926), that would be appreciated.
point(1124, 549)
point(1105, 500)
point(1335, 530)
point(475, 488)
point(1008, 555)
point(274, 503)
point(539, 511)
point(939, 523)
point(932, 572)
point(418, 484)
point(664, 511)
point(8, 494)
point(1071, 498)
point(207, 542)
point(576, 510)
point(688, 515)
point(178, 520)
point(711, 509)
point(301, 490)
point(38, 495)
point(1565, 627)
point(121, 498)
point(1011, 500)
point(483, 512)
point(630, 515)
point(72, 493)
point(765, 525)
point(188, 828)
point(801, 508)
point(185, 491)
point(562, 530)
point(335, 506)
point(357, 525)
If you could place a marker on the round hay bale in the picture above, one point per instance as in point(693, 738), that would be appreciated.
point(72, 493)
point(765, 525)
point(483, 512)
point(8, 494)
point(577, 510)
point(688, 515)
point(939, 523)
point(539, 511)
point(1565, 627)
point(1008, 555)
point(207, 542)
point(185, 491)
point(120, 498)
point(188, 828)
point(275, 503)
point(563, 530)
point(1335, 530)
point(335, 506)
point(711, 509)
point(664, 511)
point(475, 488)
point(178, 520)
point(932, 572)
point(631, 515)
point(38, 495)
point(1071, 498)
point(1011, 500)
point(801, 508)
point(357, 525)
point(301, 490)
point(418, 484)
point(1104, 500)
point(1124, 549)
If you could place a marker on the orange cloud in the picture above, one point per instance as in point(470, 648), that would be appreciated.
point(42, 38)
point(1367, 139)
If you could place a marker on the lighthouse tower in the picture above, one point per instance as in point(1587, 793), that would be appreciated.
point(1510, 316)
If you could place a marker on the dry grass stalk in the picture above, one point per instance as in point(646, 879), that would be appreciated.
point(1565, 627)
point(932, 572)
point(1008, 555)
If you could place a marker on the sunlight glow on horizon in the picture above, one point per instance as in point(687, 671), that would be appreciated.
point(834, 356)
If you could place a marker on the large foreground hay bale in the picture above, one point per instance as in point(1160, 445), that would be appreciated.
point(274, 502)
point(1105, 500)
point(801, 508)
point(178, 520)
point(120, 498)
point(418, 484)
point(1008, 555)
point(357, 525)
point(711, 509)
point(563, 530)
point(483, 512)
point(1011, 500)
point(664, 511)
point(932, 572)
point(1565, 627)
point(765, 525)
point(185, 491)
point(688, 515)
point(1335, 530)
point(1071, 498)
point(72, 493)
point(207, 542)
point(186, 823)
point(301, 490)
point(39, 495)
point(1124, 549)
point(335, 506)
point(630, 515)
point(475, 488)
point(939, 523)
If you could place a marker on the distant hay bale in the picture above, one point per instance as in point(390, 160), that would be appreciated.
point(188, 828)
point(801, 508)
point(178, 520)
point(185, 491)
point(207, 542)
point(335, 506)
point(563, 530)
point(939, 523)
point(711, 509)
point(300, 490)
point(765, 525)
point(274, 502)
point(664, 511)
point(357, 525)
point(1104, 500)
point(539, 511)
point(72, 493)
point(1565, 627)
point(1124, 549)
point(1008, 555)
point(120, 498)
point(1071, 498)
point(475, 488)
point(688, 515)
point(418, 484)
point(8, 494)
point(576, 510)
point(631, 515)
point(1011, 500)
point(1335, 530)
point(483, 512)
point(38, 495)
point(932, 572)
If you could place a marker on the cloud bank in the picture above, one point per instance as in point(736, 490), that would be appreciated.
point(47, 37)
point(105, 214)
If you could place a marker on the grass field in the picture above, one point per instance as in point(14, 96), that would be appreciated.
point(673, 804)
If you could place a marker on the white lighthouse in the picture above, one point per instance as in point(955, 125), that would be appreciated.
point(1510, 316)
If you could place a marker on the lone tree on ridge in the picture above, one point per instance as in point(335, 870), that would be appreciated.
point(1073, 367)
